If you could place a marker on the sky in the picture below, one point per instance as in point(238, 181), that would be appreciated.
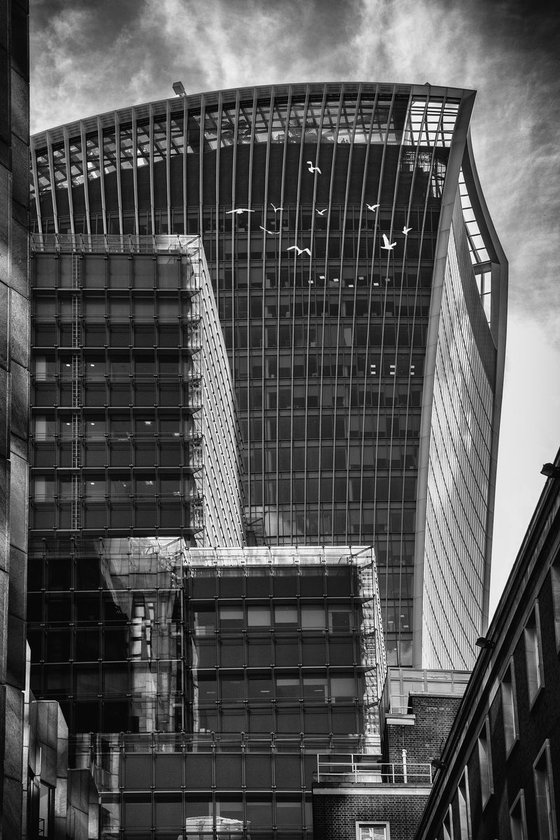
point(91, 57)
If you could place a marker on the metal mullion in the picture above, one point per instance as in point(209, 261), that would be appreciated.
point(282, 182)
point(338, 322)
point(370, 296)
point(294, 295)
point(249, 315)
point(356, 259)
point(134, 150)
point(86, 176)
point(168, 166)
point(277, 262)
point(68, 178)
point(53, 182)
point(185, 159)
point(118, 172)
point(217, 195)
point(382, 344)
point(326, 273)
point(35, 175)
point(151, 168)
point(101, 157)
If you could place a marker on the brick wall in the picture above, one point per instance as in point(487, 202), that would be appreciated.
point(335, 814)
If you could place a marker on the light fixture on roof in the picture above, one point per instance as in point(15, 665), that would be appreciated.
point(550, 471)
point(179, 89)
point(484, 643)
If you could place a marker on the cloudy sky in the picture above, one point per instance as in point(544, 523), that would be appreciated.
point(90, 57)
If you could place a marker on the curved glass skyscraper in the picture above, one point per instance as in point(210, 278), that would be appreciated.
point(362, 294)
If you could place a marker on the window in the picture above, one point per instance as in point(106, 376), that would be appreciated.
point(485, 764)
point(447, 833)
point(517, 818)
point(544, 794)
point(555, 580)
point(533, 654)
point(509, 708)
point(372, 831)
point(463, 804)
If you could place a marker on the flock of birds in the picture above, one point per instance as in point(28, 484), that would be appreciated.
point(387, 244)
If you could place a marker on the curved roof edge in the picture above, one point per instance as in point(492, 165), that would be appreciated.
point(212, 97)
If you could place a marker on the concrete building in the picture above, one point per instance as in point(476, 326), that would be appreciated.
point(499, 770)
point(14, 406)
point(368, 364)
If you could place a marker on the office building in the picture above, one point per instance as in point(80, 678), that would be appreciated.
point(282, 659)
point(135, 450)
point(499, 770)
point(362, 293)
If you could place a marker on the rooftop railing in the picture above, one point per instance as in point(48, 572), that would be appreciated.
point(357, 769)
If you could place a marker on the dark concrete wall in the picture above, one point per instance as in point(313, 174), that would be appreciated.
point(14, 402)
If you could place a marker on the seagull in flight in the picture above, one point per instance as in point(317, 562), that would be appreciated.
point(312, 168)
point(271, 232)
point(406, 230)
point(299, 250)
point(275, 208)
point(372, 207)
point(321, 212)
point(239, 210)
point(387, 246)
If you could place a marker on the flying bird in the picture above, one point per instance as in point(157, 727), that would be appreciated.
point(239, 210)
point(387, 246)
point(299, 250)
point(372, 207)
point(275, 208)
point(312, 168)
point(321, 212)
point(271, 232)
point(406, 230)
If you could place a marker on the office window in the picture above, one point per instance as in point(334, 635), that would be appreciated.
point(509, 708)
point(447, 827)
point(463, 804)
point(372, 831)
point(517, 818)
point(485, 763)
point(533, 653)
point(544, 794)
point(555, 580)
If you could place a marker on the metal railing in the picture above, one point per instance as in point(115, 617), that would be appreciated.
point(359, 770)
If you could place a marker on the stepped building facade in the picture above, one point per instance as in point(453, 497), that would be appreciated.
point(361, 291)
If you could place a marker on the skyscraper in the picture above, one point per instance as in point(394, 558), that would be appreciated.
point(362, 294)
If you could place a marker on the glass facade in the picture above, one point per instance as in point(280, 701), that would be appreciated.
point(133, 434)
point(226, 672)
point(332, 349)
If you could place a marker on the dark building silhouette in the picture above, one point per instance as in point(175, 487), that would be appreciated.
point(368, 366)
point(14, 402)
point(499, 770)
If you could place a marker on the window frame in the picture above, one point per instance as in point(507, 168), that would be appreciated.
point(533, 655)
point(518, 804)
point(508, 690)
point(386, 826)
point(484, 749)
point(549, 812)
